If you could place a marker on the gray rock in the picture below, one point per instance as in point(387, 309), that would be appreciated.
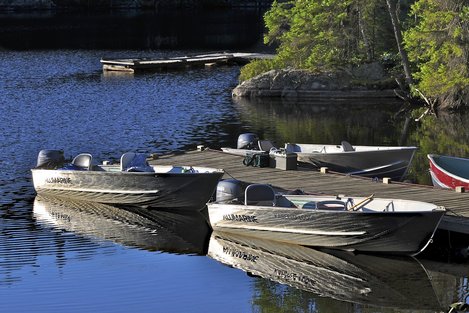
point(296, 83)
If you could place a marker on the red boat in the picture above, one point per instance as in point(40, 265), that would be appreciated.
point(449, 172)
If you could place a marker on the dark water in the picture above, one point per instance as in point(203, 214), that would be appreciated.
point(132, 29)
point(73, 257)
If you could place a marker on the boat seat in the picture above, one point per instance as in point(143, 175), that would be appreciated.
point(126, 159)
point(83, 161)
point(331, 205)
point(134, 162)
point(346, 146)
point(265, 145)
point(325, 205)
point(292, 148)
point(259, 194)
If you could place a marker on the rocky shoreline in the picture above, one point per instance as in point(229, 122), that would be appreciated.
point(369, 80)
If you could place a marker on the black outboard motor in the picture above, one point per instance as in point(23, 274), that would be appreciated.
point(248, 141)
point(230, 190)
point(50, 159)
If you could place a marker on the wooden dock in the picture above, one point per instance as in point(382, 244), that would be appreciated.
point(312, 181)
point(146, 64)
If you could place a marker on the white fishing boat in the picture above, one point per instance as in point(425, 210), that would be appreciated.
point(132, 182)
point(367, 161)
point(365, 224)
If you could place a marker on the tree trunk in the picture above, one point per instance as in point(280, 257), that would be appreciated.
point(398, 35)
point(366, 42)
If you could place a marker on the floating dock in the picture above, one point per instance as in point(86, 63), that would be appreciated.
point(313, 181)
point(203, 60)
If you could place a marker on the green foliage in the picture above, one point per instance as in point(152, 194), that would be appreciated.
point(256, 67)
point(311, 33)
point(326, 35)
point(323, 35)
point(439, 46)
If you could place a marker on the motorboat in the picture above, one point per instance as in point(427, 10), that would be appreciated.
point(398, 282)
point(131, 182)
point(368, 161)
point(154, 230)
point(363, 224)
point(448, 171)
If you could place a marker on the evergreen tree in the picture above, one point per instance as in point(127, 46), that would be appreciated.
point(323, 35)
point(438, 45)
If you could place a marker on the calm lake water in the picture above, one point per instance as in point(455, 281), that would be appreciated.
point(60, 256)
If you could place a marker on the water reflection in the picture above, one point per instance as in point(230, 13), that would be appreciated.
point(149, 229)
point(397, 283)
point(132, 29)
point(64, 231)
point(361, 122)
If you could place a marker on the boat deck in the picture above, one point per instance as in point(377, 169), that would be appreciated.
point(313, 181)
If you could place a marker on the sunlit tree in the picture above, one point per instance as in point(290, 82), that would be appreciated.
point(438, 44)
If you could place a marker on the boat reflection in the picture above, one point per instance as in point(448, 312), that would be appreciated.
point(153, 230)
point(398, 283)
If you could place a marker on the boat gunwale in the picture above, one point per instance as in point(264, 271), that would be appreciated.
point(113, 173)
point(355, 152)
point(296, 210)
point(434, 160)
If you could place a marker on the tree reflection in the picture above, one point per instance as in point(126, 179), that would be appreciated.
point(273, 297)
point(446, 134)
point(361, 122)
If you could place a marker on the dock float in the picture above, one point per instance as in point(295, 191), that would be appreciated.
point(133, 65)
point(330, 183)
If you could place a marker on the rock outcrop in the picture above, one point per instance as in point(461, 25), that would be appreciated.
point(365, 81)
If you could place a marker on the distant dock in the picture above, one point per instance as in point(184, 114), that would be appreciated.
point(203, 60)
point(312, 181)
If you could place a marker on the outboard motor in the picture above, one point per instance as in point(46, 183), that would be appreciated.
point(50, 159)
point(229, 190)
point(248, 141)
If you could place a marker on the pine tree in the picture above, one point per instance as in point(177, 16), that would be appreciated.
point(438, 44)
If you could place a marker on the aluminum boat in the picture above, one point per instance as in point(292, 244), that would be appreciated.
point(365, 224)
point(367, 161)
point(132, 182)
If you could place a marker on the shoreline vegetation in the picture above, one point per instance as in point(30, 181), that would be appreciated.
point(421, 45)
point(416, 50)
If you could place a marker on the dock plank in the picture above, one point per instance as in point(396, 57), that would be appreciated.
point(312, 181)
point(147, 64)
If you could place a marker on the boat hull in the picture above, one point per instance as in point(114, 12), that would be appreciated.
point(449, 172)
point(392, 163)
point(382, 232)
point(165, 190)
